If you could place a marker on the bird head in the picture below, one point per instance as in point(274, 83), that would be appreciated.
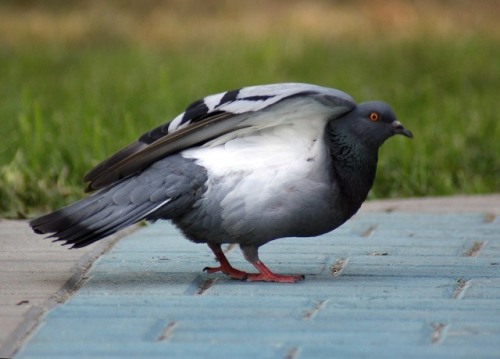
point(376, 122)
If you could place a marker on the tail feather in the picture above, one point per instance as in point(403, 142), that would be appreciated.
point(92, 218)
point(88, 232)
point(67, 216)
point(164, 190)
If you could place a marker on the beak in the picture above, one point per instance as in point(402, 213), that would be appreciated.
point(399, 129)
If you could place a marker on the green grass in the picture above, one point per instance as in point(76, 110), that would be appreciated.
point(63, 108)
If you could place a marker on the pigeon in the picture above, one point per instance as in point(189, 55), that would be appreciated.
point(244, 167)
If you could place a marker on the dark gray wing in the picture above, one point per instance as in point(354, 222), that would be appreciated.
point(204, 120)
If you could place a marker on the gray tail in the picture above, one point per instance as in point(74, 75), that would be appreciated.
point(97, 216)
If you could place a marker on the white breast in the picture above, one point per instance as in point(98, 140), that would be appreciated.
point(267, 172)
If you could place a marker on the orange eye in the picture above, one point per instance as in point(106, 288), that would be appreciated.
point(374, 117)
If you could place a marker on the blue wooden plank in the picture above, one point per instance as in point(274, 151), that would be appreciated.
point(384, 285)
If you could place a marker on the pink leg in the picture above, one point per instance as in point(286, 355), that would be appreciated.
point(225, 267)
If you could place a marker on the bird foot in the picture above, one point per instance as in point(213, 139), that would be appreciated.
point(272, 277)
point(228, 270)
point(265, 275)
point(234, 273)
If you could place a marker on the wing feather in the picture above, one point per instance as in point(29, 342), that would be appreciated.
point(205, 120)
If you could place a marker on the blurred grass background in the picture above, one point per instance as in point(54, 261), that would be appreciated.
point(81, 79)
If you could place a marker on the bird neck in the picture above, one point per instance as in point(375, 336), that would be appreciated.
point(354, 164)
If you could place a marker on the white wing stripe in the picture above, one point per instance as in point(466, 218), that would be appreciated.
point(250, 99)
